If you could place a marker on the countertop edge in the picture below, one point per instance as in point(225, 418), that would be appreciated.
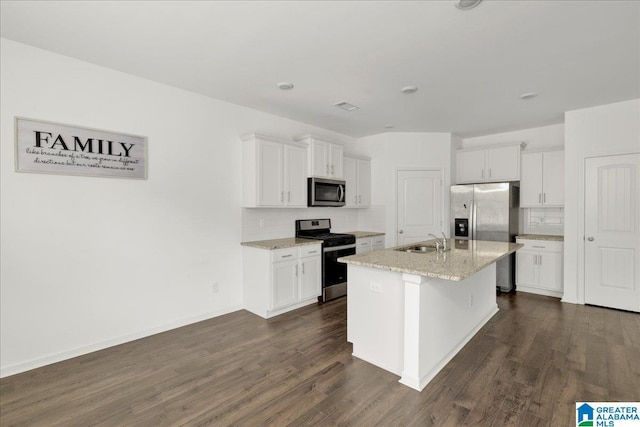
point(549, 237)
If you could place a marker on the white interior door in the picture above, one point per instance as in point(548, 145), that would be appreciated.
point(419, 205)
point(612, 239)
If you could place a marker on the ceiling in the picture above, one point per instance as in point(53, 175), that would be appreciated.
point(470, 66)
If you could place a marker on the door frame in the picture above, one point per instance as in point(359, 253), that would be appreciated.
point(443, 198)
point(582, 211)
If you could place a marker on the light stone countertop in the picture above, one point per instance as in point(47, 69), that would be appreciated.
point(541, 237)
point(465, 258)
point(363, 234)
point(287, 242)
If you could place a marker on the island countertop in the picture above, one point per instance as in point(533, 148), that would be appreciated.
point(465, 258)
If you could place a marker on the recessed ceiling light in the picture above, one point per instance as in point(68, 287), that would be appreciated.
point(346, 106)
point(528, 95)
point(285, 85)
point(409, 90)
point(466, 4)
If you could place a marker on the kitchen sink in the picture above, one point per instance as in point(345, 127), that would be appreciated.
point(419, 249)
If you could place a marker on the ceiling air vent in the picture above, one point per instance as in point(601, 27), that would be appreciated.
point(466, 4)
point(346, 106)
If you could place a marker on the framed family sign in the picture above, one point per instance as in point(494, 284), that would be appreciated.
point(46, 147)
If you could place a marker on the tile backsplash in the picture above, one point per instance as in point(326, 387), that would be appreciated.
point(276, 223)
point(544, 221)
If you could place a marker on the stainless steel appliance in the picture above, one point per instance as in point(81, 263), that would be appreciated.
point(334, 246)
point(488, 212)
point(325, 192)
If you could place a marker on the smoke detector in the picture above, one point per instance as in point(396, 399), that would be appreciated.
point(466, 4)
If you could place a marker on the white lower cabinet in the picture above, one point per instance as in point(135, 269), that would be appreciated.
point(369, 244)
point(280, 280)
point(539, 267)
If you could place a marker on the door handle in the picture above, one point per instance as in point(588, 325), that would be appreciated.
point(590, 238)
point(400, 231)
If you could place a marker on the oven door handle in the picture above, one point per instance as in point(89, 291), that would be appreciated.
point(339, 248)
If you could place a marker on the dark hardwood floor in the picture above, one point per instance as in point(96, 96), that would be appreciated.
point(527, 367)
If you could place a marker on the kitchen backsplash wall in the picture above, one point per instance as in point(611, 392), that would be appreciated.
point(264, 224)
point(544, 221)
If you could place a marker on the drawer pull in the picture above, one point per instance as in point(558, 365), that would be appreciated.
point(541, 247)
point(286, 256)
point(313, 252)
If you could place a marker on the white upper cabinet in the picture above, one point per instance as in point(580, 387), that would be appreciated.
point(542, 179)
point(325, 157)
point(493, 164)
point(274, 172)
point(357, 176)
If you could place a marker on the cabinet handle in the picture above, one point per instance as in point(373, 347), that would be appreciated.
point(482, 173)
point(303, 269)
point(296, 270)
point(544, 197)
point(355, 200)
point(327, 168)
point(539, 197)
point(360, 199)
point(535, 260)
point(313, 252)
point(332, 170)
point(539, 259)
point(288, 196)
point(282, 197)
point(489, 172)
point(541, 247)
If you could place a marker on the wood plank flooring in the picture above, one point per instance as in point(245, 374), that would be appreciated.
point(527, 367)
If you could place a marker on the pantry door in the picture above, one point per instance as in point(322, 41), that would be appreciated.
point(612, 235)
point(419, 206)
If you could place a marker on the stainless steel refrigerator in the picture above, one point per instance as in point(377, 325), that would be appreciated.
point(488, 212)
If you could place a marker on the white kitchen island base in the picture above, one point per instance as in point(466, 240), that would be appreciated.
point(413, 325)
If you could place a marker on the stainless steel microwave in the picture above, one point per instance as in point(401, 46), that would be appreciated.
point(325, 192)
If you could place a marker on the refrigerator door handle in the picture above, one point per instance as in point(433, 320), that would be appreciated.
point(473, 220)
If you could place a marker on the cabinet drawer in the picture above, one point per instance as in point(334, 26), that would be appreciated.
point(377, 240)
point(310, 250)
point(363, 242)
point(541, 245)
point(284, 254)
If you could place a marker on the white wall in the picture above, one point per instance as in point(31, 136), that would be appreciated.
point(92, 262)
point(606, 129)
point(390, 151)
point(538, 138)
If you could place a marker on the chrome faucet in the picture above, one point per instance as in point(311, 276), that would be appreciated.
point(440, 243)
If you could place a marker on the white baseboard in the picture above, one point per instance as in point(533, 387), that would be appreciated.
point(6, 371)
point(420, 383)
point(538, 291)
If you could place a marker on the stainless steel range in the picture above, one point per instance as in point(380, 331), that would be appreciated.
point(334, 246)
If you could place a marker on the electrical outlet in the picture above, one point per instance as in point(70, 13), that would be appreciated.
point(375, 287)
point(261, 223)
point(214, 287)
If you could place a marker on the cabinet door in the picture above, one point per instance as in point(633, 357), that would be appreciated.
point(295, 176)
point(351, 182)
point(364, 183)
point(319, 158)
point(550, 271)
point(553, 178)
point(336, 157)
point(310, 278)
point(526, 268)
point(284, 290)
point(503, 164)
point(531, 180)
point(470, 166)
point(270, 167)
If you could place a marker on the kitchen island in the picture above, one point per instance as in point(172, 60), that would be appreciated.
point(411, 313)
